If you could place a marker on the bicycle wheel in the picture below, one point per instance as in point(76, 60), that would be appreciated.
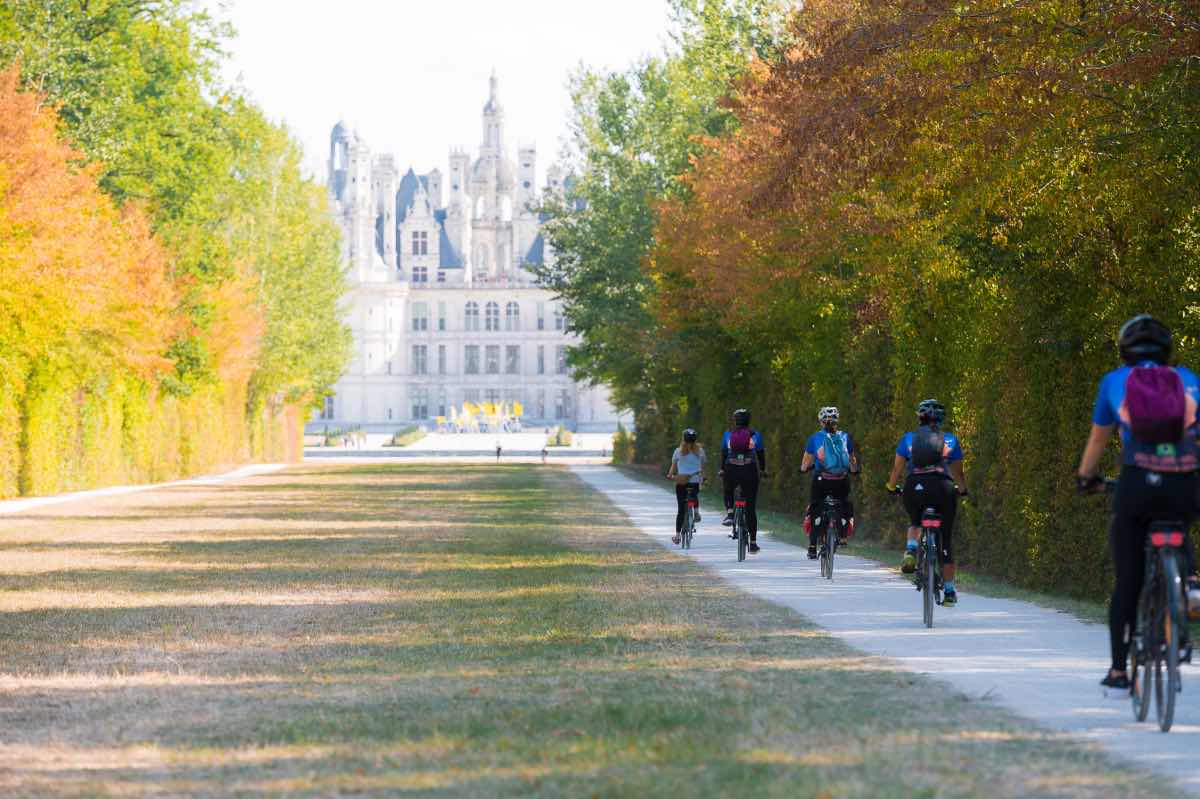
point(739, 524)
point(928, 578)
point(1167, 685)
point(830, 547)
point(689, 526)
point(1141, 659)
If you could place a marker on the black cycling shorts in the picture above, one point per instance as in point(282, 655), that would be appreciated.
point(933, 490)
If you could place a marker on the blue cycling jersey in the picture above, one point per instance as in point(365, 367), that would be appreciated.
point(816, 444)
point(951, 450)
point(1110, 409)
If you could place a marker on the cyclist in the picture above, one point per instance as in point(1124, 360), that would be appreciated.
point(1155, 478)
point(935, 480)
point(742, 463)
point(686, 461)
point(831, 456)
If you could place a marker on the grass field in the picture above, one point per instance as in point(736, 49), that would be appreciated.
point(469, 630)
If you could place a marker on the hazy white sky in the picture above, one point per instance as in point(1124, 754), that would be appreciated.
point(412, 75)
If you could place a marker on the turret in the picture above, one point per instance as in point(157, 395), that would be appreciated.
point(460, 162)
point(385, 184)
point(435, 188)
point(493, 119)
point(526, 181)
point(339, 159)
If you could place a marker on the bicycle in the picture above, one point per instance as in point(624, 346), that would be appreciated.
point(928, 577)
point(689, 518)
point(929, 565)
point(1160, 634)
point(828, 534)
point(740, 531)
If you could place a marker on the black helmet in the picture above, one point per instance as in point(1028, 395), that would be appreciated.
point(741, 417)
point(689, 436)
point(1144, 338)
point(931, 411)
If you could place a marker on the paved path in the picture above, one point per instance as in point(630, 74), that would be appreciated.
point(20, 505)
point(1039, 663)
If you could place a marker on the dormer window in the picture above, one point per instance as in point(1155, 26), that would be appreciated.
point(420, 242)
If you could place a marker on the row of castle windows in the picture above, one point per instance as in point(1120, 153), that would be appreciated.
point(491, 316)
point(491, 360)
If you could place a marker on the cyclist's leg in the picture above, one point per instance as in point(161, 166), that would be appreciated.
point(1176, 497)
point(948, 510)
point(1126, 539)
point(730, 481)
point(680, 505)
point(914, 506)
point(819, 489)
point(750, 494)
point(840, 489)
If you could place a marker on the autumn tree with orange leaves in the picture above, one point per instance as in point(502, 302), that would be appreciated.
point(936, 199)
point(170, 284)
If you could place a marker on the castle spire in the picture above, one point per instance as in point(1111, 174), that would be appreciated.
point(493, 117)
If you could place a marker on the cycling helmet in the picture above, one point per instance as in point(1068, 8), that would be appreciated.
point(931, 411)
point(689, 436)
point(741, 417)
point(1144, 338)
point(827, 414)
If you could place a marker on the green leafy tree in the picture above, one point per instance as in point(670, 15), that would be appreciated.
point(633, 135)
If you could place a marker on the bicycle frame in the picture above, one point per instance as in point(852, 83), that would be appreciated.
point(828, 528)
point(739, 523)
point(689, 520)
point(929, 564)
point(1159, 641)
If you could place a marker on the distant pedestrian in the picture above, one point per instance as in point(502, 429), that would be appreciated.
point(544, 454)
point(497, 452)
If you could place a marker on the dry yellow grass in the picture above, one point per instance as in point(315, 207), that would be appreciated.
point(472, 631)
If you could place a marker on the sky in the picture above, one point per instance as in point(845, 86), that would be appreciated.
point(412, 75)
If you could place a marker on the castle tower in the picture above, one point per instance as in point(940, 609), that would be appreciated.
point(339, 159)
point(435, 188)
point(459, 207)
point(493, 120)
point(526, 181)
point(385, 184)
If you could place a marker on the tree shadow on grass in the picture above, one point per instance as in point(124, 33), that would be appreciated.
point(532, 646)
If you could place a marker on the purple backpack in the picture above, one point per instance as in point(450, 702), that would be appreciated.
point(1155, 401)
point(741, 439)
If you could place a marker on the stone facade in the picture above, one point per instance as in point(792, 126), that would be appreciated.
point(441, 303)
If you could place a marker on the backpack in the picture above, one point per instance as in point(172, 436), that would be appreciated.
point(741, 439)
point(837, 459)
point(1156, 404)
point(928, 446)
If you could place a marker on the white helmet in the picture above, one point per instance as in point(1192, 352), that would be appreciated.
point(827, 414)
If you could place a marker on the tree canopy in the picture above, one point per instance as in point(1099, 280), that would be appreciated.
point(241, 243)
point(905, 200)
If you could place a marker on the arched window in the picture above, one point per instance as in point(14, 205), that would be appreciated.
point(491, 318)
point(512, 316)
point(472, 316)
